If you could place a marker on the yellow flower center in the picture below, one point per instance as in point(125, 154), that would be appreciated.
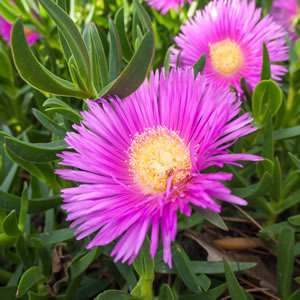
point(157, 154)
point(226, 56)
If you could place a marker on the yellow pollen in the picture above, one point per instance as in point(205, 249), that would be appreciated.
point(157, 154)
point(226, 56)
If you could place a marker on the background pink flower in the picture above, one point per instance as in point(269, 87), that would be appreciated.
point(231, 34)
point(165, 5)
point(142, 159)
point(5, 31)
point(284, 12)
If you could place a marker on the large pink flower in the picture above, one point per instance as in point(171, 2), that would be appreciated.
point(284, 12)
point(142, 159)
point(165, 5)
point(5, 30)
point(231, 35)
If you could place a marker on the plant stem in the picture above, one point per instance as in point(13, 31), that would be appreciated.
point(272, 219)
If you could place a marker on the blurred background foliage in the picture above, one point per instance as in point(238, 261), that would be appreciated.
point(91, 48)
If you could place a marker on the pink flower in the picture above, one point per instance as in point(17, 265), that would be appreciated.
point(231, 35)
point(165, 5)
point(284, 12)
point(142, 159)
point(5, 30)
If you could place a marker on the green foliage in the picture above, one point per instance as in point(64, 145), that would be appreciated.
point(285, 261)
point(86, 58)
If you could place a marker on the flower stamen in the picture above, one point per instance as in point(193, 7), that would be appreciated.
point(226, 56)
point(157, 154)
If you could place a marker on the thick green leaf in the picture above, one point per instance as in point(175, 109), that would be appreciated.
point(295, 160)
point(277, 181)
point(185, 270)
point(13, 282)
point(43, 171)
point(205, 267)
point(89, 287)
point(290, 181)
point(144, 266)
point(23, 252)
point(65, 47)
point(76, 77)
point(33, 72)
point(8, 292)
point(10, 202)
point(294, 220)
point(28, 280)
point(212, 217)
point(115, 53)
point(286, 133)
point(212, 294)
point(6, 70)
point(267, 98)
point(290, 201)
point(135, 72)
point(116, 295)
point(285, 261)
point(143, 263)
point(246, 89)
point(127, 272)
point(268, 146)
point(63, 42)
point(266, 67)
point(49, 124)
point(126, 48)
point(165, 292)
point(23, 6)
point(10, 224)
point(257, 189)
point(204, 282)
point(34, 152)
point(167, 66)
point(24, 208)
point(45, 260)
point(58, 106)
point(5, 185)
point(199, 65)
point(67, 113)
point(281, 114)
point(72, 36)
point(9, 12)
point(79, 266)
point(97, 55)
point(44, 296)
point(143, 16)
point(275, 229)
point(56, 236)
point(191, 221)
point(235, 290)
point(295, 296)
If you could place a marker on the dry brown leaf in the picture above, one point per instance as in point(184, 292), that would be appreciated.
point(238, 243)
point(60, 265)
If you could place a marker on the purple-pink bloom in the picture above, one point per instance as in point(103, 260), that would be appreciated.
point(285, 12)
point(231, 35)
point(5, 30)
point(142, 159)
point(165, 5)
